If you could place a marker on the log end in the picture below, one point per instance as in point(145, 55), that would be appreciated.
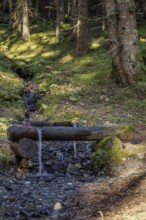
point(25, 148)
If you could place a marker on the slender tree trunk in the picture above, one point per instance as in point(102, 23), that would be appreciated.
point(62, 11)
point(10, 12)
point(74, 16)
point(69, 8)
point(58, 22)
point(26, 35)
point(144, 9)
point(82, 41)
point(4, 5)
point(123, 38)
point(49, 9)
point(100, 11)
point(36, 8)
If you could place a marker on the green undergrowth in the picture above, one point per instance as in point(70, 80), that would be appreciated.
point(11, 105)
point(72, 88)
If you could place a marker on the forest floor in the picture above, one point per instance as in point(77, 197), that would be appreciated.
point(76, 89)
point(68, 189)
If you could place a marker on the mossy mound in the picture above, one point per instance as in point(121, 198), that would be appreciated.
point(126, 132)
point(107, 152)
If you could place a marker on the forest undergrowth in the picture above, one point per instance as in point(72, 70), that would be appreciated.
point(79, 89)
point(76, 89)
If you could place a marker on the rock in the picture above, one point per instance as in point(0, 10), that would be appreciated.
point(54, 216)
point(73, 169)
point(57, 206)
point(141, 155)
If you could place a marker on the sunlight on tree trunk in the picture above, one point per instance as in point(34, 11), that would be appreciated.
point(26, 35)
point(123, 38)
point(74, 16)
point(82, 41)
point(58, 22)
point(62, 11)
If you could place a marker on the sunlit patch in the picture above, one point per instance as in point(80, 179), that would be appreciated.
point(49, 53)
point(97, 43)
point(143, 39)
point(66, 59)
point(88, 77)
point(64, 89)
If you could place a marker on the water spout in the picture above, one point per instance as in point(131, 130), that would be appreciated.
point(39, 130)
point(75, 145)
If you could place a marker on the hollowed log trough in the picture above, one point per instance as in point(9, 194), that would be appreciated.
point(17, 133)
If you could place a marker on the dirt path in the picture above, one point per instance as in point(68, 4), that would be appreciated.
point(64, 197)
point(114, 199)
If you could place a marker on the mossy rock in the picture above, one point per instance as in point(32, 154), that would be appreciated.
point(107, 152)
point(126, 132)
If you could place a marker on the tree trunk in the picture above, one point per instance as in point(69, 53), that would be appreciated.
point(25, 33)
point(25, 148)
point(10, 13)
point(123, 38)
point(58, 22)
point(74, 16)
point(144, 9)
point(69, 2)
point(16, 133)
point(62, 11)
point(82, 41)
point(37, 9)
point(100, 11)
point(4, 5)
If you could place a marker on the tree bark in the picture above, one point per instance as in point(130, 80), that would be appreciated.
point(123, 38)
point(62, 11)
point(69, 2)
point(25, 148)
point(36, 9)
point(10, 13)
point(58, 22)
point(144, 9)
point(82, 40)
point(16, 133)
point(25, 32)
point(74, 16)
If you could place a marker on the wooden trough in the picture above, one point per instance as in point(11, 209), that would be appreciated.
point(23, 138)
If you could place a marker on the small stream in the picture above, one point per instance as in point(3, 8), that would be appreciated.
point(30, 98)
point(68, 158)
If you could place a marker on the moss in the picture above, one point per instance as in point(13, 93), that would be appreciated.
point(126, 128)
point(126, 132)
point(107, 152)
point(6, 155)
point(4, 124)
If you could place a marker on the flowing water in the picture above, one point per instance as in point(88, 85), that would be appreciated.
point(75, 145)
point(39, 130)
